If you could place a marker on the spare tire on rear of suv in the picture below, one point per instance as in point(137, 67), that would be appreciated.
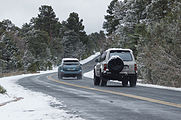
point(115, 64)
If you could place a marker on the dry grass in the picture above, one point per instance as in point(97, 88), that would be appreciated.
point(14, 73)
point(2, 90)
point(11, 74)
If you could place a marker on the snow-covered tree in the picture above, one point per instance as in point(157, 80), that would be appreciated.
point(97, 41)
point(158, 45)
point(9, 53)
point(47, 21)
point(74, 36)
point(73, 47)
point(56, 49)
point(111, 20)
point(75, 23)
point(7, 26)
point(151, 28)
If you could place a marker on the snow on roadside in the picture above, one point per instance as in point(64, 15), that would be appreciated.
point(90, 58)
point(160, 87)
point(34, 105)
point(91, 75)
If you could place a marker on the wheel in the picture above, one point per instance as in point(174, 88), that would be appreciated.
point(79, 77)
point(133, 81)
point(103, 81)
point(60, 76)
point(125, 83)
point(96, 80)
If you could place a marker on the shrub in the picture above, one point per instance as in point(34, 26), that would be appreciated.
point(2, 90)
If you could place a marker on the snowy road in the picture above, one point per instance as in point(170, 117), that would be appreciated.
point(107, 103)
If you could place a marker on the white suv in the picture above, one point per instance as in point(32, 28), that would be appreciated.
point(116, 64)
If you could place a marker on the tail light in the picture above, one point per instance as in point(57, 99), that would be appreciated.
point(135, 67)
point(105, 67)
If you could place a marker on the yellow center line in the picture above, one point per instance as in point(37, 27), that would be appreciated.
point(119, 93)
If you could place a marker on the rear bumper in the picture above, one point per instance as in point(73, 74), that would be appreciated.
point(71, 73)
point(118, 76)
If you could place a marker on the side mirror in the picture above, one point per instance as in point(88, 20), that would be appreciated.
point(97, 60)
point(60, 63)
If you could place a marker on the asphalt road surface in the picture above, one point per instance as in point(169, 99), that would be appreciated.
point(113, 102)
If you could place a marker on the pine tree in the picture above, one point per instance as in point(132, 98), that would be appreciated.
point(37, 46)
point(47, 21)
point(37, 43)
point(10, 53)
point(97, 41)
point(111, 21)
point(10, 56)
point(74, 36)
point(73, 47)
point(7, 26)
point(56, 49)
point(75, 23)
point(158, 9)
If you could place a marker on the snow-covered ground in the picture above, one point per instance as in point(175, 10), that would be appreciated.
point(90, 75)
point(22, 104)
point(90, 58)
point(28, 105)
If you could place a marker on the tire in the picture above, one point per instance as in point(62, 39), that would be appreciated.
point(103, 81)
point(79, 77)
point(133, 81)
point(96, 80)
point(59, 75)
point(125, 83)
point(115, 65)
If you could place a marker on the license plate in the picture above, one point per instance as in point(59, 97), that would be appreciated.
point(71, 69)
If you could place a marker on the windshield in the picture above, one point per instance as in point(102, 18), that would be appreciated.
point(124, 55)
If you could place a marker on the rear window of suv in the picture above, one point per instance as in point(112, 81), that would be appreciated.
point(71, 62)
point(124, 55)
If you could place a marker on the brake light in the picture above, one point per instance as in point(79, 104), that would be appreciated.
point(135, 67)
point(105, 67)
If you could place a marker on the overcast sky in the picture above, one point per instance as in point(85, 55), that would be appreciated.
point(21, 11)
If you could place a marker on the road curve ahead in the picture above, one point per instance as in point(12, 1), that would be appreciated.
point(113, 102)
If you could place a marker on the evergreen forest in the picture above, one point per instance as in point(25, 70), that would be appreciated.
point(151, 28)
point(44, 41)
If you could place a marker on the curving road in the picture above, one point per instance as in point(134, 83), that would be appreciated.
point(113, 102)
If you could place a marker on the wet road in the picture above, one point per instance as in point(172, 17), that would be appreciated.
point(113, 102)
